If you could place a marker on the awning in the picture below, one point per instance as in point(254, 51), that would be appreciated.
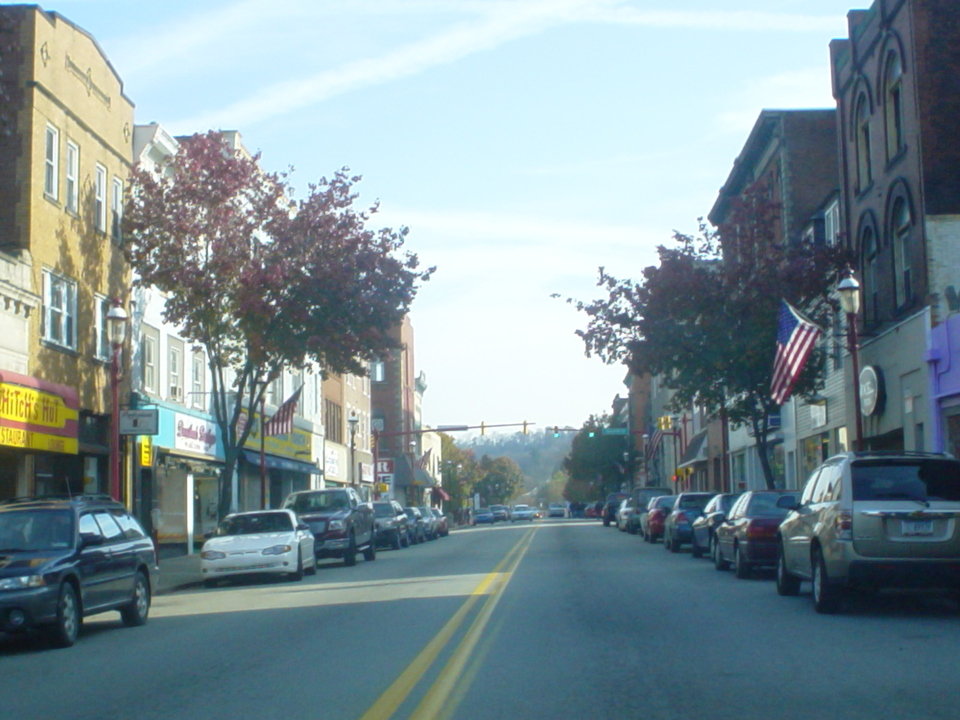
point(696, 451)
point(275, 462)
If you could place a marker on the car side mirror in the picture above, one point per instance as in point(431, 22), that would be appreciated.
point(302, 526)
point(90, 539)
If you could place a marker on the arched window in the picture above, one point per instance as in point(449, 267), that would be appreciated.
point(871, 294)
point(893, 103)
point(900, 225)
point(862, 142)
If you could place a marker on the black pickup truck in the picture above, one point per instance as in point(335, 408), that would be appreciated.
point(342, 525)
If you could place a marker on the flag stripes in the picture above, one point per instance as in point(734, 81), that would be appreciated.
point(282, 421)
point(796, 337)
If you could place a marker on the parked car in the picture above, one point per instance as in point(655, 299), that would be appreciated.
point(443, 527)
point(611, 506)
point(430, 524)
point(418, 525)
point(657, 510)
point(393, 527)
point(482, 516)
point(501, 513)
point(872, 520)
point(342, 525)
point(556, 510)
point(624, 513)
point(522, 512)
point(64, 559)
point(271, 542)
point(678, 526)
point(704, 526)
point(748, 536)
point(643, 497)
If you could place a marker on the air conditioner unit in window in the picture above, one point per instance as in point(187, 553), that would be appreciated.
point(176, 392)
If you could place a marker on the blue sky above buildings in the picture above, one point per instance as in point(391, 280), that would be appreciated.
point(525, 144)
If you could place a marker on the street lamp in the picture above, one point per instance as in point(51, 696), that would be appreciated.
point(352, 421)
point(116, 334)
point(849, 291)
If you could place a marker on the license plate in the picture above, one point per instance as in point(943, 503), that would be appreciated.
point(916, 527)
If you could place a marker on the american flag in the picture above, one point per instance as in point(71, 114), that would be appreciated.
point(424, 462)
point(282, 421)
point(654, 443)
point(796, 337)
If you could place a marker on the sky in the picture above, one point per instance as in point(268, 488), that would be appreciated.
point(525, 143)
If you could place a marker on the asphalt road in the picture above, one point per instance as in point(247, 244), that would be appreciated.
point(558, 619)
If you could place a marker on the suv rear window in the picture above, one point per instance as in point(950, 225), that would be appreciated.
point(906, 480)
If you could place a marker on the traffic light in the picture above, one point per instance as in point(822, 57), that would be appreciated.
point(664, 422)
point(591, 433)
point(556, 431)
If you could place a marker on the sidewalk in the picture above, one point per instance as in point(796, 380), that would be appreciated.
point(178, 572)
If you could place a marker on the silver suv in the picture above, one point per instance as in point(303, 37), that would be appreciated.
point(873, 520)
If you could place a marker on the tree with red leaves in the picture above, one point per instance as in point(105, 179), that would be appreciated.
point(705, 319)
point(261, 282)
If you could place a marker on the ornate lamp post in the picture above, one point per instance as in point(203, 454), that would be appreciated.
point(849, 291)
point(352, 422)
point(116, 334)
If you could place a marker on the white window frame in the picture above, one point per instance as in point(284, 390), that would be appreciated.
point(175, 372)
point(197, 379)
point(100, 199)
point(59, 310)
point(150, 344)
point(73, 177)
point(831, 224)
point(116, 210)
point(51, 161)
point(102, 349)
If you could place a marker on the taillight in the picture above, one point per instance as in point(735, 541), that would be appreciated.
point(757, 529)
point(843, 525)
point(682, 517)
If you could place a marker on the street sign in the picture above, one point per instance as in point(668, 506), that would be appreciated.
point(139, 422)
point(614, 431)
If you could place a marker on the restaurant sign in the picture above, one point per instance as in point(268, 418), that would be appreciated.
point(37, 415)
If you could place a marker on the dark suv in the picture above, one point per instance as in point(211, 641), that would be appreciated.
point(62, 559)
point(342, 524)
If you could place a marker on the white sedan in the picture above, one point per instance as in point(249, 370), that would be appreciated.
point(262, 541)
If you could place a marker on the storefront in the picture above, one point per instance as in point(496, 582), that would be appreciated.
point(286, 467)
point(944, 362)
point(39, 438)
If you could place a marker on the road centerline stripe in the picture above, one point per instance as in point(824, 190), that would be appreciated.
point(394, 696)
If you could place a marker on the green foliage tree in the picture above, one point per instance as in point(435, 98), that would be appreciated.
point(594, 465)
point(263, 283)
point(460, 473)
point(498, 480)
point(705, 319)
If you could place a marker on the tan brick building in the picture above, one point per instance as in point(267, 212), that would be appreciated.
point(63, 168)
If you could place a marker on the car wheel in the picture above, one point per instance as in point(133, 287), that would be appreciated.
point(370, 553)
point(606, 523)
point(718, 562)
point(312, 570)
point(297, 575)
point(210, 583)
point(787, 584)
point(64, 633)
point(741, 567)
point(674, 545)
point(695, 549)
point(350, 554)
point(826, 597)
point(397, 543)
point(666, 542)
point(135, 613)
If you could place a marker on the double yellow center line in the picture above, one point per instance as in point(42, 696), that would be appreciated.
point(438, 701)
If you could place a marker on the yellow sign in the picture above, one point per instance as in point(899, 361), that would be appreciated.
point(146, 451)
point(36, 419)
point(295, 445)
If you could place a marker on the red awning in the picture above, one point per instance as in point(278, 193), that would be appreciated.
point(439, 494)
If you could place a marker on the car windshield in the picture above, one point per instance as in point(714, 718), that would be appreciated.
point(483, 511)
point(255, 523)
point(36, 530)
point(319, 502)
point(665, 501)
point(383, 510)
point(520, 508)
point(765, 505)
point(694, 502)
point(727, 501)
point(921, 480)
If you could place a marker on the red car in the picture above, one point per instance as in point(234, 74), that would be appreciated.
point(651, 524)
point(748, 537)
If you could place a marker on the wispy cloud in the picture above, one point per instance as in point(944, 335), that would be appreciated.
point(719, 20)
point(807, 88)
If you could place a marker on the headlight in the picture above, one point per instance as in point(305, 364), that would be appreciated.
point(277, 550)
point(22, 582)
point(335, 525)
point(212, 555)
